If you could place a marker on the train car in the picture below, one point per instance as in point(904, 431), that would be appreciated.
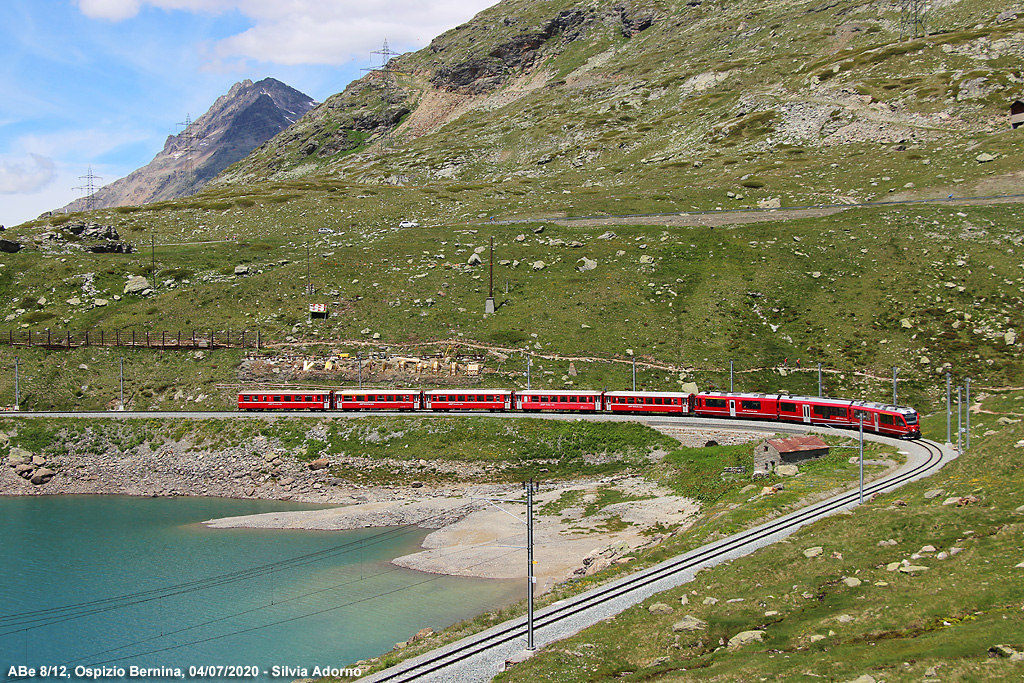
point(263, 399)
point(535, 400)
point(378, 399)
point(671, 403)
point(461, 399)
point(725, 404)
point(889, 420)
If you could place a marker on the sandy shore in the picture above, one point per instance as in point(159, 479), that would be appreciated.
point(478, 538)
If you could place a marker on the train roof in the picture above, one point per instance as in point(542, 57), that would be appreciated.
point(674, 394)
point(463, 390)
point(559, 392)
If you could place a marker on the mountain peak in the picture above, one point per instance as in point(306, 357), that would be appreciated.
point(238, 122)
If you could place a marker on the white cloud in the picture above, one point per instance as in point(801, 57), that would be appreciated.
point(111, 10)
point(26, 175)
point(312, 31)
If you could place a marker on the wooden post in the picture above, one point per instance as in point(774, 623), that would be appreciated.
point(133, 338)
point(211, 340)
point(259, 339)
point(101, 338)
point(163, 340)
point(87, 337)
point(194, 343)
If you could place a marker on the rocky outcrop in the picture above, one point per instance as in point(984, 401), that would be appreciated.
point(10, 246)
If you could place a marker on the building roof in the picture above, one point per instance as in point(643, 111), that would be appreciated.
point(795, 444)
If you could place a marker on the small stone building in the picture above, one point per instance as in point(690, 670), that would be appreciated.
point(1017, 114)
point(774, 452)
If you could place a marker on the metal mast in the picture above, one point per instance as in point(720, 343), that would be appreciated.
point(89, 188)
point(189, 172)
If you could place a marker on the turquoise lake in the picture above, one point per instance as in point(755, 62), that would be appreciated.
point(120, 581)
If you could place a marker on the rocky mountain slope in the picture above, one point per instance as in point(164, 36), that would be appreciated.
point(769, 96)
point(239, 121)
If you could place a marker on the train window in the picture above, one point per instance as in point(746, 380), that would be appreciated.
point(715, 403)
point(750, 405)
point(563, 399)
point(911, 419)
point(787, 407)
point(886, 419)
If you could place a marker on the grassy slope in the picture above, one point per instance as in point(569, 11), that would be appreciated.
point(894, 626)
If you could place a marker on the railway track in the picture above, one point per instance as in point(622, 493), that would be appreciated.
point(481, 656)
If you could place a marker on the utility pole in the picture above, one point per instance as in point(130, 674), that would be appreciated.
point(17, 387)
point(819, 380)
point(730, 376)
point(959, 422)
point(967, 415)
point(894, 370)
point(152, 251)
point(860, 420)
point(121, 406)
point(949, 440)
point(359, 362)
point(529, 363)
point(530, 578)
point(489, 304)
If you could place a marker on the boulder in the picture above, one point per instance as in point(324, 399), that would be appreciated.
point(41, 476)
point(745, 638)
point(136, 285)
point(474, 260)
point(660, 608)
point(787, 470)
point(689, 623)
point(241, 270)
point(10, 246)
point(538, 265)
point(934, 493)
point(38, 460)
point(23, 470)
point(319, 464)
point(18, 456)
point(813, 552)
point(585, 264)
point(607, 236)
point(852, 581)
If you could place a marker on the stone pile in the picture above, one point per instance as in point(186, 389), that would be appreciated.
point(29, 466)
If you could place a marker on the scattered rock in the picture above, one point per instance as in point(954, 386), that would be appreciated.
point(41, 476)
point(241, 270)
point(136, 285)
point(319, 464)
point(10, 246)
point(744, 638)
point(985, 157)
point(689, 623)
point(852, 581)
point(710, 601)
point(660, 608)
point(913, 568)
point(538, 265)
point(787, 470)
point(814, 552)
point(934, 493)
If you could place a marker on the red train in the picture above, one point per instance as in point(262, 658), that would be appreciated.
point(899, 421)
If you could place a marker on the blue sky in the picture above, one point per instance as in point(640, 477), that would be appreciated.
point(102, 83)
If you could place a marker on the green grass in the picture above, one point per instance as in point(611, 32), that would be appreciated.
point(893, 625)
